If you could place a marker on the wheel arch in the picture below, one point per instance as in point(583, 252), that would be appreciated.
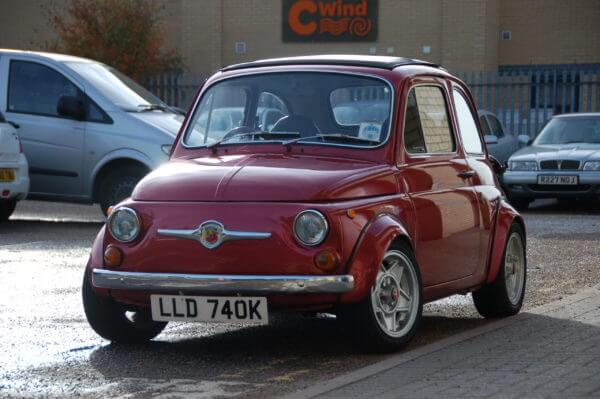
point(121, 158)
point(376, 237)
point(507, 216)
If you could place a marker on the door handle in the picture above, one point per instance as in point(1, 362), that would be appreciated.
point(465, 174)
point(13, 124)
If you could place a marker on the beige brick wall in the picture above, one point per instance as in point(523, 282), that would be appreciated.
point(462, 34)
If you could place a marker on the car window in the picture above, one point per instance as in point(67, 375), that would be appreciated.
point(354, 105)
point(35, 89)
point(270, 109)
point(484, 125)
point(495, 126)
point(466, 124)
point(426, 127)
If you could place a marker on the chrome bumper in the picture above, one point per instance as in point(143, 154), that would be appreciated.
point(222, 284)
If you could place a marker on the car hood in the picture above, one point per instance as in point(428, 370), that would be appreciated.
point(167, 122)
point(575, 151)
point(265, 178)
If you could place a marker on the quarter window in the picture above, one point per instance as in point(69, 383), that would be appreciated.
point(466, 125)
point(426, 127)
point(35, 88)
point(495, 126)
point(484, 124)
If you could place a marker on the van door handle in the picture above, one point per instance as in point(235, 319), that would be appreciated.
point(13, 124)
point(465, 174)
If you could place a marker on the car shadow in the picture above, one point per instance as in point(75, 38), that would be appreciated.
point(290, 342)
point(551, 206)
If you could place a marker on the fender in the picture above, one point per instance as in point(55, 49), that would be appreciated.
point(506, 216)
point(118, 154)
point(97, 260)
point(375, 239)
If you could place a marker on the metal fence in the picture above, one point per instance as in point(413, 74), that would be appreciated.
point(523, 98)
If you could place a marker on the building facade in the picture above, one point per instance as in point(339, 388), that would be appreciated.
point(462, 35)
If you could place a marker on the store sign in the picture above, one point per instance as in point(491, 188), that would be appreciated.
point(329, 20)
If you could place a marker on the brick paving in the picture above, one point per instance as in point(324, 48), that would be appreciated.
point(552, 351)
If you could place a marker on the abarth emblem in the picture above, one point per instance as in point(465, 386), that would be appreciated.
point(211, 234)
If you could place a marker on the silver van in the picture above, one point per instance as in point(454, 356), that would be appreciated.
point(89, 132)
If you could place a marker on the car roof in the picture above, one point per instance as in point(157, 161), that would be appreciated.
point(374, 61)
point(53, 56)
point(579, 115)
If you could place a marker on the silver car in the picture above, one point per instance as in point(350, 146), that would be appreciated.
point(88, 131)
point(499, 142)
point(563, 162)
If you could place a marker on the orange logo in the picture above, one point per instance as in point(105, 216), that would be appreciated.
point(329, 19)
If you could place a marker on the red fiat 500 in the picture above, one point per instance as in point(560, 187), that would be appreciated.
point(356, 185)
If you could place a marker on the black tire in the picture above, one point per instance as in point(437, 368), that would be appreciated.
point(361, 322)
point(118, 184)
point(6, 209)
point(520, 204)
point(109, 319)
point(493, 300)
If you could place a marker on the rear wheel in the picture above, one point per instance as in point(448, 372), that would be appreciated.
point(114, 322)
point(118, 184)
point(6, 209)
point(389, 317)
point(504, 297)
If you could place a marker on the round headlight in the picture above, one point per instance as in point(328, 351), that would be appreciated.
point(310, 227)
point(124, 224)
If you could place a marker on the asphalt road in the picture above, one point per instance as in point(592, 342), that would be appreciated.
point(47, 349)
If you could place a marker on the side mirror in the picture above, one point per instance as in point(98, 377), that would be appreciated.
point(497, 166)
point(490, 139)
point(71, 107)
point(524, 139)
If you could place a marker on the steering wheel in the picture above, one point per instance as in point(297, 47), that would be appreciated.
point(237, 130)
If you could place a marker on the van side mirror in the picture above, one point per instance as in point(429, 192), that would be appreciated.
point(524, 139)
point(71, 107)
point(490, 139)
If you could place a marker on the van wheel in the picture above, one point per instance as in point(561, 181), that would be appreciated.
point(118, 185)
point(112, 321)
point(389, 317)
point(6, 209)
point(504, 297)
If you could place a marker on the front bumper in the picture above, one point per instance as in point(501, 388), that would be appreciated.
point(525, 185)
point(222, 284)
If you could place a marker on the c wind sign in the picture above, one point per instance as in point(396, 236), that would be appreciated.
point(329, 20)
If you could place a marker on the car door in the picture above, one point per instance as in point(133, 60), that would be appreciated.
point(52, 143)
point(437, 178)
point(482, 179)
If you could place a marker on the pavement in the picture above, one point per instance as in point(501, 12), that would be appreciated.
point(550, 351)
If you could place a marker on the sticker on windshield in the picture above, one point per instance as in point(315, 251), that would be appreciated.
point(369, 131)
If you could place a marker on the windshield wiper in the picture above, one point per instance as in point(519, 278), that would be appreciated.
point(258, 133)
point(152, 107)
point(332, 137)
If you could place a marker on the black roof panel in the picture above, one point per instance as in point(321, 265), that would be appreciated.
point(374, 61)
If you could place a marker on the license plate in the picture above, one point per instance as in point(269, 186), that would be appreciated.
point(558, 180)
point(7, 175)
point(246, 310)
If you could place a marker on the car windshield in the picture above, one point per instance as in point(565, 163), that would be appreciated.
point(293, 107)
point(121, 90)
point(570, 130)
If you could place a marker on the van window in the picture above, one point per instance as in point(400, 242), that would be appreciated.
point(35, 88)
point(426, 126)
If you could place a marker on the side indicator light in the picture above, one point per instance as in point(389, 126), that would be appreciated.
point(351, 213)
point(326, 260)
point(113, 256)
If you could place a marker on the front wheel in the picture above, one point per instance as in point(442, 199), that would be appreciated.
point(389, 317)
point(520, 204)
point(6, 209)
point(504, 297)
point(114, 322)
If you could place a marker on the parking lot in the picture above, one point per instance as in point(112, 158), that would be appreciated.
point(47, 347)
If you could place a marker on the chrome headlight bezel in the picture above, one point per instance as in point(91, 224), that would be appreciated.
point(592, 166)
point(523, 166)
point(320, 219)
point(124, 212)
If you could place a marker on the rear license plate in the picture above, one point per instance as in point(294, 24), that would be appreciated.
point(558, 180)
point(246, 310)
point(7, 175)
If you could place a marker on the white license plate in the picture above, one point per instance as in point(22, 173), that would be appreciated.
point(558, 180)
point(246, 310)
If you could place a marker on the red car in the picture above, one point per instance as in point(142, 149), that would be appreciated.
point(354, 185)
